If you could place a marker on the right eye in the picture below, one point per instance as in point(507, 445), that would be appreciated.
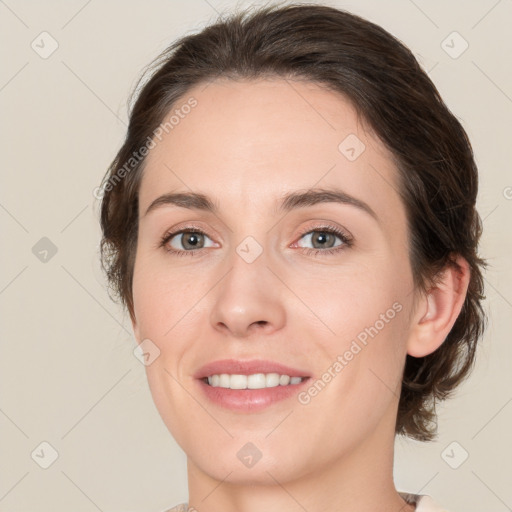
point(191, 239)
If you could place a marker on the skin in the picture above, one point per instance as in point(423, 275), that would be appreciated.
point(246, 144)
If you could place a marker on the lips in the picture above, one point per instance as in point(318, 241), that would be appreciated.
point(240, 367)
point(249, 400)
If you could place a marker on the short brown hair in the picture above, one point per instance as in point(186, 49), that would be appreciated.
point(390, 91)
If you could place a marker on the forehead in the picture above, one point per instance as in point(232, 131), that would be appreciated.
point(249, 142)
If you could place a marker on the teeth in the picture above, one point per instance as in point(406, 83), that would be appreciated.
point(255, 381)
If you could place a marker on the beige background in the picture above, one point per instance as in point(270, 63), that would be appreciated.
point(68, 374)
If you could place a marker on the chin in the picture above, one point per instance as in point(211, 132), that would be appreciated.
point(239, 460)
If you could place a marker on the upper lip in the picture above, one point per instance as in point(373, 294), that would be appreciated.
point(240, 367)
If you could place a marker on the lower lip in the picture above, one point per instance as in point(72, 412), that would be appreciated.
point(250, 400)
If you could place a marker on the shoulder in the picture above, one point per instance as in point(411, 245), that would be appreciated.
point(182, 507)
point(427, 504)
point(423, 502)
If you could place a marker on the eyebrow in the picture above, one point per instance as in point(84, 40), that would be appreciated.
point(290, 201)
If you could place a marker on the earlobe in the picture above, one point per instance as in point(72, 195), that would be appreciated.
point(439, 309)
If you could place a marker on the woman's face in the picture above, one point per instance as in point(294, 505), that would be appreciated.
point(272, 280)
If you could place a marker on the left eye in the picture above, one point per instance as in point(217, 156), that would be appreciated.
point(325, 238)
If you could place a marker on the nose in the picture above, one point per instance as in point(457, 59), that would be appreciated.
point(249, 299)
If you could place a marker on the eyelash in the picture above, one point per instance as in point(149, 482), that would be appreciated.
point(346, 239)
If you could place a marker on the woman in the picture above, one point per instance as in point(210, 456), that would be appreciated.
point(291, 225)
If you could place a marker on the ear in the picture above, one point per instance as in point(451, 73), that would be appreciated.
point(439, 308)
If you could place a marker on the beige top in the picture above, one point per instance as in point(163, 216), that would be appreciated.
point(423, 502)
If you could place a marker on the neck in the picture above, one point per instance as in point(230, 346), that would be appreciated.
point(361, 480)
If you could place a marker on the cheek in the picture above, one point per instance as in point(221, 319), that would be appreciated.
point(351, 300)
point(359, 380)
point(162, 296)
point(163, 302)
point(364, 313)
